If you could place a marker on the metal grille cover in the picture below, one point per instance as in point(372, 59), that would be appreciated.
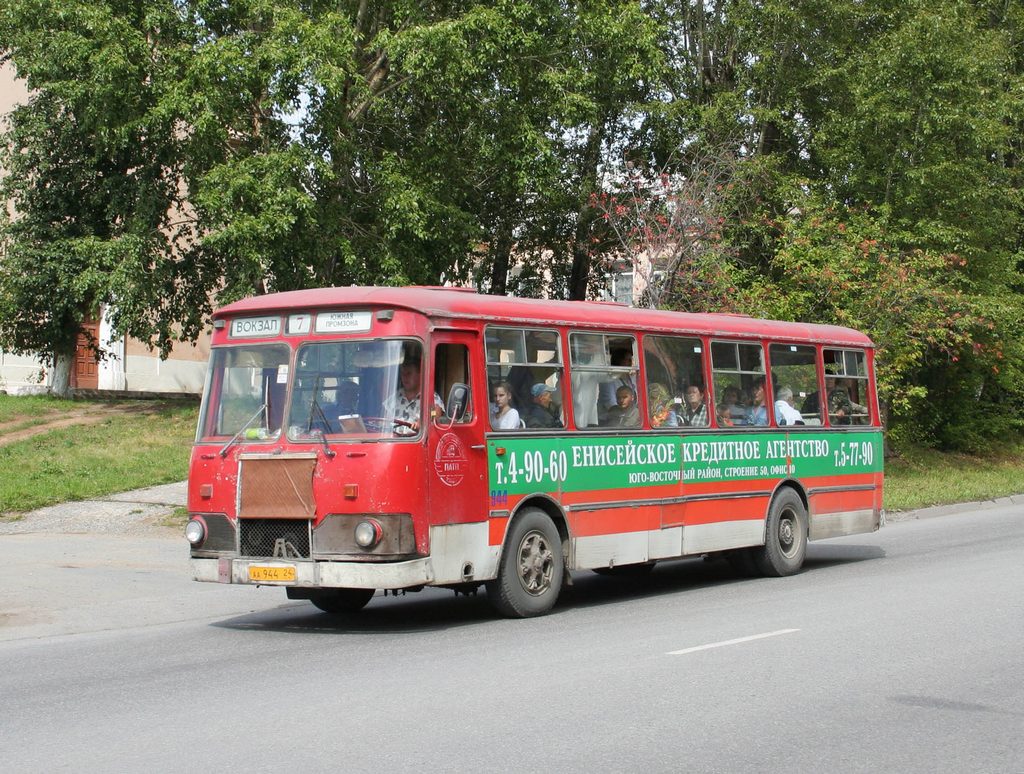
point(276, 487)
point(277, 538)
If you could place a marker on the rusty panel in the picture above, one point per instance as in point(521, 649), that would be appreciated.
point(336, 535)
point(277, 489)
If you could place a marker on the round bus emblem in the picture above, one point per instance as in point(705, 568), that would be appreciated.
point(450, 460)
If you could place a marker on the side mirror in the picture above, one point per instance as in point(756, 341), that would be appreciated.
point(458, 402)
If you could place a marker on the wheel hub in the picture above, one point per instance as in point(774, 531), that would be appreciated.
point(535, 564)
point(786, 532)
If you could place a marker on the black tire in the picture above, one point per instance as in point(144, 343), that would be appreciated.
point(641, 570)
point(342, 601)
point(785, 544)
point(531, 569)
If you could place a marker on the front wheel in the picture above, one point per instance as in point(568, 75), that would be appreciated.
point(785, 544)
point(341, 601)
point(531, 570)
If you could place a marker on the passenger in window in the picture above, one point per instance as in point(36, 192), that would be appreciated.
point(503, 416)
point(724, 418)
point(785, 413)
point(609, 392)
point(543, 412)
point(625, 412)
point(732, 404)
point(812, 403)
point(695, 410)
point(757, 414)
point(840, 407)
point(661, 406)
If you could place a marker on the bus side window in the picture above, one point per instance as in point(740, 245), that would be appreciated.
point(599, 364)
point(795, 380)
point(451, 367)
point(674, 364)
point(846, 387)
point(739, 379)
point(529, 361)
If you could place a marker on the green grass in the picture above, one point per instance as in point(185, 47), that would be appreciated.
point(123, 452)
point(177, 519)
point(28, 408)
point(918, 478)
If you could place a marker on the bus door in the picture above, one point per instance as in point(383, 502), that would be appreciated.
point(456, 451)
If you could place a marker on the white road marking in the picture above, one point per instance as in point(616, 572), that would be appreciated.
point(737, 641)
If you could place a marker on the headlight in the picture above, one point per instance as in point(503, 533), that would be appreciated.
point(195, 532)
point(368, 533)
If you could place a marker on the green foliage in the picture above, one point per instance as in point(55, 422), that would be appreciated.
point(91, 169)
point(880, 190)
point(177, 154)
point(844, 266)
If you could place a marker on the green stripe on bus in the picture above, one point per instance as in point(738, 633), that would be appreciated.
point(581, 463)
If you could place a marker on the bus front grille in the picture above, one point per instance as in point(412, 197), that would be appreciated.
point(276, 538)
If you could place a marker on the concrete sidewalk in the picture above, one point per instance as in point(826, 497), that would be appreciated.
point(138, 512)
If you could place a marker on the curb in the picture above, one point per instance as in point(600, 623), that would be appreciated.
point(952, 508)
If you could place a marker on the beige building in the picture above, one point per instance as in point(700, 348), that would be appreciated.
point(128, 365)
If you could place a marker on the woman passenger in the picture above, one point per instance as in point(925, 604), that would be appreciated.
point(503, 416)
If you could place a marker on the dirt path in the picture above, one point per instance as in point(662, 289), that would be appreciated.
point(88, 415)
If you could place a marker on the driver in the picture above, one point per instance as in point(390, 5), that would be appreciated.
point(404, 404)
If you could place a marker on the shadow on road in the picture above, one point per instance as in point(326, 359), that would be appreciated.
point(832, 554)
point(437, 609)
point(425, 611)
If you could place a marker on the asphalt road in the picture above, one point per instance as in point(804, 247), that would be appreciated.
point(899, 651)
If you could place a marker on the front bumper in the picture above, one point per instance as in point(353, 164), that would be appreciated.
point(319, 574)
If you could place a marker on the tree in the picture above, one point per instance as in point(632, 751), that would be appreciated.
point(906, 112)
point(90, 168)
point(668, 226)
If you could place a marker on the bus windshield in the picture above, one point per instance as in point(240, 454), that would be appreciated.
point(365, 388)
point(245, 392)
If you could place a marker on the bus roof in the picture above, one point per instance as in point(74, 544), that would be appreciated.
point(465, 303)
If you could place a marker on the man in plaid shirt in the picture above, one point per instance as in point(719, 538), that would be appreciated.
point(403, 407)
point(695, 413)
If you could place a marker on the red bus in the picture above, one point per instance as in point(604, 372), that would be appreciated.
point(361, 439)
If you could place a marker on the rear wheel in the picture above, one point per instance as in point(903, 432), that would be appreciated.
point(785, 544)
point(531, 569)
point(340, 601)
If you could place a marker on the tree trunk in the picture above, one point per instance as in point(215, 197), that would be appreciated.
point(500, 254)
point(582, 258)
point(579, 276)
point(60, 385)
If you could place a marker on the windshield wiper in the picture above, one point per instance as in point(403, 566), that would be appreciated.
point(327, 428)
point(315, 405)
point(261, 410)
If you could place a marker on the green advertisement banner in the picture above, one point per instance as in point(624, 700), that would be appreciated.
point(580, 463)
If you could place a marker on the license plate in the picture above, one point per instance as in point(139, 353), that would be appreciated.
point(264, 574)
